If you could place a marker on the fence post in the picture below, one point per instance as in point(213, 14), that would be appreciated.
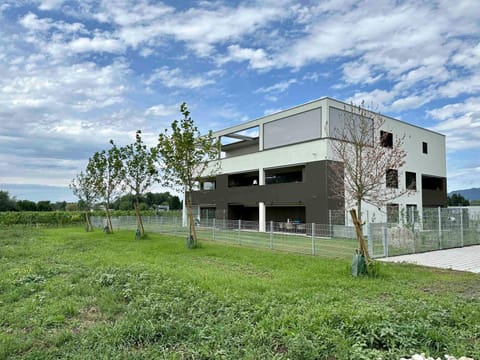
point(461, 227)
point(330, 225)
point(213, 229)
point(271, 235)
point(239, 229)
point(313, 239)
point(370, 238)
point(439, 227)
point(385, 241)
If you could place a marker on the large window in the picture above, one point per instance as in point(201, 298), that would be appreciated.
point(284, 175)
point(386, 139)
point(243, 179)
point(392, 213)
point(411, 180)
point(392, 178)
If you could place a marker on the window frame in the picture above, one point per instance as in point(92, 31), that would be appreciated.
point(424, 147)
point(386, 139)
point(391, 178)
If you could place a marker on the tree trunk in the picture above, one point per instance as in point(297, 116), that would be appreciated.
point(88, 223)
point(361, 239)
point(139, 219)
point(193, 230)
point(108, 218)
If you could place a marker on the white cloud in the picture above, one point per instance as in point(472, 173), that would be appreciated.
point(50, 4)
point(460, 122)
point(174, 78)
point(280, 87)
point(97, 44)
point(161, 110)
point(257, 58)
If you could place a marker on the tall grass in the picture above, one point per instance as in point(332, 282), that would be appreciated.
point(69, 294)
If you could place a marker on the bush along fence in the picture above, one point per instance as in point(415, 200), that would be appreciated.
point(438, 228)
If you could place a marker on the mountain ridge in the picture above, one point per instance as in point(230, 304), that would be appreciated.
point(469, 194)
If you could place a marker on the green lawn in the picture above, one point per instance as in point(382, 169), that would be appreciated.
point(67, 294)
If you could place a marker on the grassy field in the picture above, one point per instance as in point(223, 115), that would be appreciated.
point(72, 295)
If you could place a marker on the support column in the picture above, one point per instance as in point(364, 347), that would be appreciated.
point(261, 216)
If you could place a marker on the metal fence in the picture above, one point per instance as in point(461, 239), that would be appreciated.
point(436, 229)
point(312, 239)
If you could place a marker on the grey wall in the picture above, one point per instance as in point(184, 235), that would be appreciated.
point(293, 129)
point(341, 120)
point(315, 193)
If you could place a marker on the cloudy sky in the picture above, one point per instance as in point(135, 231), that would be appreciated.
point(75, 74)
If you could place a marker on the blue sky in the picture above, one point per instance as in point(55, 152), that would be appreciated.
point(76, 74)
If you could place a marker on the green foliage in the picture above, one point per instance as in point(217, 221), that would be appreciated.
point(457, 200)
point(140, 172)
point(186, 155)
point(105, 175)
point(70, 294)
point(6, 202)
point(26, 205)
point(35, 218)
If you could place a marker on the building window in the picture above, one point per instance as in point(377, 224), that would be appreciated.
point(425, 147)
point(243, 179)
point(392, 178)
point(392, 213)
point(386, 139)
point(284, 175)
point(412, 214)
point(209, 185)
point(411, 180)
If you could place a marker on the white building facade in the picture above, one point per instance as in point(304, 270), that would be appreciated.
point(278, 168)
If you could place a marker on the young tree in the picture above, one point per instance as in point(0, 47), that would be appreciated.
point(187, 156)
point(369, 160)
point(106, 171)
point(82, 187)
point(140, 172)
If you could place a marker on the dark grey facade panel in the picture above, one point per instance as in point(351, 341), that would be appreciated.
point(315, 194)
point(293, 129)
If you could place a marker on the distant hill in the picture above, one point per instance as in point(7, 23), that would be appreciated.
point(469, 194)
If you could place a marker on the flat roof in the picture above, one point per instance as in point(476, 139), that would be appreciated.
point(276, 116)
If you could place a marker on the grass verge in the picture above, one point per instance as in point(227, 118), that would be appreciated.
point(69, 294)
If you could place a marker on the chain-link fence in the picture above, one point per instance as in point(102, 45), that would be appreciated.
point(438, 228)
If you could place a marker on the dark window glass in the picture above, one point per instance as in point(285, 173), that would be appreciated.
point(392, 178)
point(386, 139)
point(411, 180)
point(425, 147)
point(392, 213)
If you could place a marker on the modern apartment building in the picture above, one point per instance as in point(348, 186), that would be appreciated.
point(277, 168)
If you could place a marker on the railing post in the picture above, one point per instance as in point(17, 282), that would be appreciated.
point(213, 229)
point(239, 229)
point(313, 239)
point(439, 213)
point(330, 225)
point(271, 235)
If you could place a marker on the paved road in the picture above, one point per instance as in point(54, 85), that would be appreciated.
point(462, 259)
